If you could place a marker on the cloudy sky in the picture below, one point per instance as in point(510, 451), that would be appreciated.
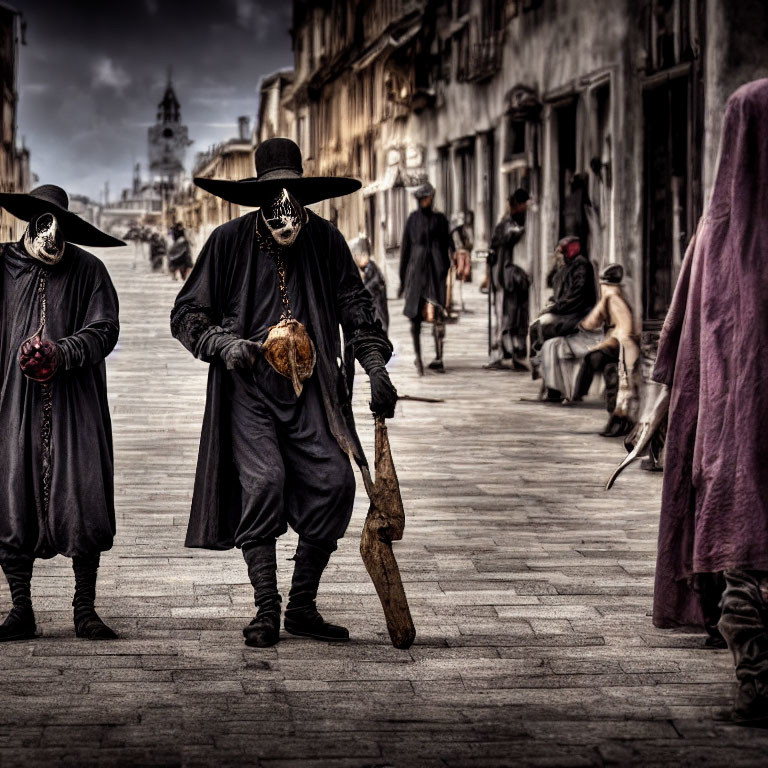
point(92, 73)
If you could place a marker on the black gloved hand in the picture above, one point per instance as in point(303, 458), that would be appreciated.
point(240, 353)
point(383, 393)
point(40, 359)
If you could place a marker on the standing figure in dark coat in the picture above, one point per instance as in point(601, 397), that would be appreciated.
point(157, 251)
point(263, 306)
point(713, 356)
point(510, 285)
point(425, 259)
point(58, 321)
point(572, 280)
point(373, 279)
point(179, 254)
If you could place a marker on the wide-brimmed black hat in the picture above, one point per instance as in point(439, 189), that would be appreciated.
point(278, 166)
point(52, 199)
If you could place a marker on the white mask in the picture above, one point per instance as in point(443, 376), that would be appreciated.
point(43, 239)
point(284, 218)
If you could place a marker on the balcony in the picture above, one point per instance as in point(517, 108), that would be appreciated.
point(484, 59)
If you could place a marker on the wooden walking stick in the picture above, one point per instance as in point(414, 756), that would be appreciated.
point(385, 524)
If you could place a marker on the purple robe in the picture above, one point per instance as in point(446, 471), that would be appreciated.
point(713, 354)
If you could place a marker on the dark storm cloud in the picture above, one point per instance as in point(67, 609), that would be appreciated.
point(92, 73)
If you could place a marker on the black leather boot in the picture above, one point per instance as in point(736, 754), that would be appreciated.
point(416, 336)
point(19, 624)
point(261, 560)
point(88, 624)
point(301, 616)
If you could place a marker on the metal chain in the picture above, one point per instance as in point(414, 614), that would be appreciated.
point(47, 405)
point(282, 282)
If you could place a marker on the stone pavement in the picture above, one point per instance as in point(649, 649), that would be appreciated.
point(529, 585)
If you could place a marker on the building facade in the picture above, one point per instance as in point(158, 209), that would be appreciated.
point(201, 212)
point(607, 111)
point(14, 161)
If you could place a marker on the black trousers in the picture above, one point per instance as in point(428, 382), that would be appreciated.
point(594, 362)
point(291, 469)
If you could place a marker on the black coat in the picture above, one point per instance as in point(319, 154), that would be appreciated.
point(82, 316)
point(573, 286)
point(376, 285)
point(220, 291)
point(425, 260)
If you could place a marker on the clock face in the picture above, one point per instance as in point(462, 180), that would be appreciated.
point(168, 133)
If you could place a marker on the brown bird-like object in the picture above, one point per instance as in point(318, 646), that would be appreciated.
point(290, 351)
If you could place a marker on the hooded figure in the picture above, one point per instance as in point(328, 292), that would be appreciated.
point(425, 260)
point(58, 321)
point(263, 306)
point(713, 354)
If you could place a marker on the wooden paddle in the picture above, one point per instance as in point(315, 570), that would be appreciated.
point(385, 523)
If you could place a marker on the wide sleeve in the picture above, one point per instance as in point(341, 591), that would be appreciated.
point(196, 314)
point(354, 305)
point(100, 328)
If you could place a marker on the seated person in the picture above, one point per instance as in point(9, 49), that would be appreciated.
point(613, 315)
point(573, 285)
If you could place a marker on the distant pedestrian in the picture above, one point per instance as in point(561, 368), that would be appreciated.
point(157, 251)
point(425, 259)
point(373, 279)
point(463, 236)
point(179, 254)
point(510, 285)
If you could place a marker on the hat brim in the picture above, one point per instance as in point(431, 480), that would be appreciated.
point(254, 193)
point(73, 228)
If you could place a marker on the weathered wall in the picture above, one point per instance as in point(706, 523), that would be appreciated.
point(555, 50)
point(737, 53)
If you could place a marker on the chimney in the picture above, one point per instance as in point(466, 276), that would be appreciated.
point(244, 128)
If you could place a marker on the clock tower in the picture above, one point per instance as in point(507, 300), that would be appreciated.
point(168, 140)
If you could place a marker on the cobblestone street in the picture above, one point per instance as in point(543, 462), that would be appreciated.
point(529, 585)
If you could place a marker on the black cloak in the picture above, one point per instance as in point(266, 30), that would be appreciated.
point(82, 316)
point(220, 291)
point(425, 260)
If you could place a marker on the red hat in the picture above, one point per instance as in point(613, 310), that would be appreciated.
point(570, 247)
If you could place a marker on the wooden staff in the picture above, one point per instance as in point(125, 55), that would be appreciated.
point(385, 524)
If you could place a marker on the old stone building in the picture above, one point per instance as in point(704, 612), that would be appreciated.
point(14, 161)
point(200, 212)
point(607, 111)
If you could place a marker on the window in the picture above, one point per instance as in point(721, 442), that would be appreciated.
point(672, 33)
point(465, 158)
point(669, 221)
point(515, 143)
